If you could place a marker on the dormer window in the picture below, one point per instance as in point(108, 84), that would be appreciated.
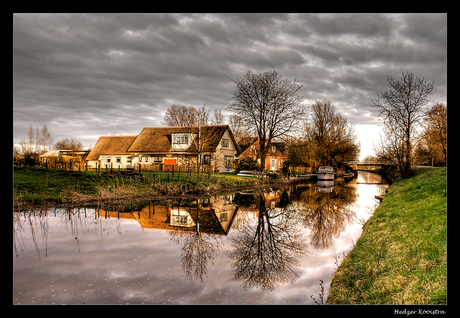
point(180, 140)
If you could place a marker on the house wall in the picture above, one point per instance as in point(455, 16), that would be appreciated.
point(222, 152)
point(278, 161)
point(123, 164)
point(275, 154)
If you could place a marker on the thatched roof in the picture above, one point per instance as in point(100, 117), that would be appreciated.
point(158, 139)
point(111, 145)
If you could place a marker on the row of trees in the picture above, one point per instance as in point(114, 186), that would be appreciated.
point(269, 107)
point(40, 141)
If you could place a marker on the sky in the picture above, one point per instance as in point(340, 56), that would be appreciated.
point(88, 75)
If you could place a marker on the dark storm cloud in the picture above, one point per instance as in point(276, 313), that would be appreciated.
point(82, 74)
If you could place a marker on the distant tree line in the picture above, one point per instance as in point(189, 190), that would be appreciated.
point(268, 107)
point(40, 141)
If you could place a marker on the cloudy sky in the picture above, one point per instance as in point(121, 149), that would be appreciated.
point(85, 74)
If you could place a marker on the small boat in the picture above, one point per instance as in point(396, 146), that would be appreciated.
point(325, 173)
point(348, 174)
point(246, 173)
point(325, 186)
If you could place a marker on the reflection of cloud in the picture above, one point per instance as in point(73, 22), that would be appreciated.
point(120, 262)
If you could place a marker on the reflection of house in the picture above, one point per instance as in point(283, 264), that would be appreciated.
point(111, 151)
point(274, 158)
point(214, 219)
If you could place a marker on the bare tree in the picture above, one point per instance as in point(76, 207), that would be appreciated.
point(218, 118)
point(181, 115)
point(46, 140)
point(268, 105)
point(31, 136)
point(239, 130)
point(402, 105)
point(69, 144)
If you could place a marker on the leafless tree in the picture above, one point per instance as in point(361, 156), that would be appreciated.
point(45, 140)
point(402, 106)
point(218, 118)
point(181, 115)
point(268, 105)
point(69, 144)
point(31, 136)
point(239, 130)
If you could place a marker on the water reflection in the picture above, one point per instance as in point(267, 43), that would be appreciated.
point(369, 178)
point(267, 249)
point(327, 213)
point(255, 240)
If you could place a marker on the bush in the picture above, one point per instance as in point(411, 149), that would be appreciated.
point(247, 164)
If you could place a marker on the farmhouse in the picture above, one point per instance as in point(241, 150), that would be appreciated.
point(168, 148)
point(176, 147)
point(111, 152)
point(274, 158)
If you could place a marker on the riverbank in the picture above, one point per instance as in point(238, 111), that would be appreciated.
point(39, 186)
point(401, 256)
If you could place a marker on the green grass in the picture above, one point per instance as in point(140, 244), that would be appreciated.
point(38, 185)
point(401, 256)
point(224, 180)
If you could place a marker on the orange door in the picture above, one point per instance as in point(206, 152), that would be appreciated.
point(170, 161)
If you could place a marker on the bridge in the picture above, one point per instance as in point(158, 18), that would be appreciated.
point(367, 164)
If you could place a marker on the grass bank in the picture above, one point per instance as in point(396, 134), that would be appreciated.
point(35, 186)
point(401, 256)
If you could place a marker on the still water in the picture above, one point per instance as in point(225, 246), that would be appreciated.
point(256, 247)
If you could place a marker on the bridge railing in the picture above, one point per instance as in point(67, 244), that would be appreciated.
point(367, 163)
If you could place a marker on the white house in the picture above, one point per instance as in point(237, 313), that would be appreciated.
point(111, 152)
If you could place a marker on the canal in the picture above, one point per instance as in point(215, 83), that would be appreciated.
point(256, 247)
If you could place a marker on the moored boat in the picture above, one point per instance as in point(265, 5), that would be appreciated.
point(325, 173)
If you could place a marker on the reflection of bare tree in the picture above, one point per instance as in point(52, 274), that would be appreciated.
point(198, 247)
point(266, 252)
point(327, 214)
point(36, 223)
point(35, 219)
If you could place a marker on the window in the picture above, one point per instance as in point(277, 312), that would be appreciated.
point(223, 217)
point(207, 159)
point(157, 159)
point(224, 143)
point(179, 220)
point(180, 140)
point(228, 161)
point(118, 159)
point(108, 159)
point(146, 159)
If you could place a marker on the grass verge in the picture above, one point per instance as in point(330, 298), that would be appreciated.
point(401, 256)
